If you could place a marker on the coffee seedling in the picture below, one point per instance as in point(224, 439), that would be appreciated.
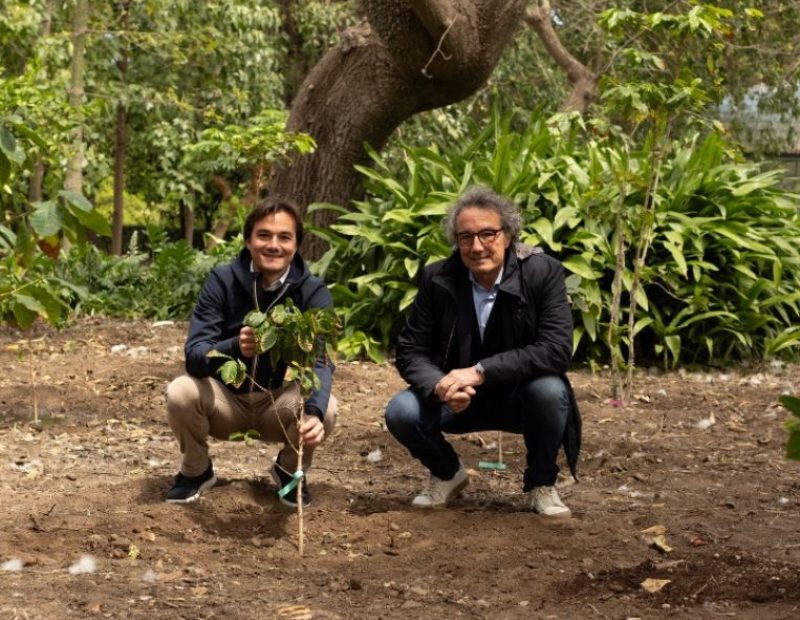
point(299, 339)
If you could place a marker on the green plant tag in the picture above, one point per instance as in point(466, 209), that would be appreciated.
point(491, 465)
point(292, 484)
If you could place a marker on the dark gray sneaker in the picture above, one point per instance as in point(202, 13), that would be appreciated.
point(186, 489)
point(282, 478)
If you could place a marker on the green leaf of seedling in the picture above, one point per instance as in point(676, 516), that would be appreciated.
point(254, 319)
point(233, 372)
point(215, 353)
point(267, 339)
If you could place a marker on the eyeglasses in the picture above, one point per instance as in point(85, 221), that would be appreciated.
point(485, 236)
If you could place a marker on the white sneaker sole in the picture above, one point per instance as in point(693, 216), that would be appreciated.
point(455, 493)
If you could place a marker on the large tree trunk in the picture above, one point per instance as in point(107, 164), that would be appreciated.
point(409, 56)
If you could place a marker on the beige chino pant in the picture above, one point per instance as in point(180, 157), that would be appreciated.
point(199, 408)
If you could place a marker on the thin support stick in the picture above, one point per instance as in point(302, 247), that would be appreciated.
point(33, 382)
point(499, 446)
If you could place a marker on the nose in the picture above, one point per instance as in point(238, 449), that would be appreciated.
point(476, 239)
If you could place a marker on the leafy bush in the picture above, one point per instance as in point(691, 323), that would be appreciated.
point(164, 285)
point(720, 283)
point(792, 404)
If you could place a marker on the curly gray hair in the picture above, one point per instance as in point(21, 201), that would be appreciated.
point(484, 198)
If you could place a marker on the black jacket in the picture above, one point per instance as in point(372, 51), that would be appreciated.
point(229, 293)
point(530, 330)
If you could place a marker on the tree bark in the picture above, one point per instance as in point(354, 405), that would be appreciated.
point(187, 223)
point(117, 220)
point(408, 56)
point(583, 80)
point(80, 20)
point(35, 192)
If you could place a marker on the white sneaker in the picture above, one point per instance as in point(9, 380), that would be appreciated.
point(437, 493)
point(545, 501)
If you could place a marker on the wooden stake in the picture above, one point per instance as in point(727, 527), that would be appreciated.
point(33, 382)
point(499, 446)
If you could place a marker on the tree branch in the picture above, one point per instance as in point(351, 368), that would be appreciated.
point(583, 80)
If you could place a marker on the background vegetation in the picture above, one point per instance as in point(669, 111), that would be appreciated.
point(133, 135)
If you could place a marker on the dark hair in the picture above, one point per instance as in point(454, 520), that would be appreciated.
point(271, 206)
point(484, 198)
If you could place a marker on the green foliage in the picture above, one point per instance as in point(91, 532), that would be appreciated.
point(29, 287)
point(247, 437)
point(380, 247)
point(162, 284)
point(30, 290)
point(792, 403)
point(264, 140)
point(720, 283)
point(298, 338)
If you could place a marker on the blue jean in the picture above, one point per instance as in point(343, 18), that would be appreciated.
point(537, 409)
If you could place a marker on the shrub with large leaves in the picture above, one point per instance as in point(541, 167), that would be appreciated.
point(720, 283)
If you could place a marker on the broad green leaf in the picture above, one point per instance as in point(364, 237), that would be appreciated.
point(412, 266)
point(579, 265)
point(23, 315)
point(9, 147)
point(233, 372)
point(590, 324)
point(407, 299)
point(674, 345)
point(76, 200)
point(46, 218)
point(792, 403)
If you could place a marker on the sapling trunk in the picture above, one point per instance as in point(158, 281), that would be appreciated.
point(300, 482)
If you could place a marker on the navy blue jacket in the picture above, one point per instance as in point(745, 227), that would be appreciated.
point(229, 293)
point(531, 329)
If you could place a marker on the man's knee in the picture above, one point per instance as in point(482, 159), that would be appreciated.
point(402, 412)
point(548, 392)
point(331, 415)
point(184, 395)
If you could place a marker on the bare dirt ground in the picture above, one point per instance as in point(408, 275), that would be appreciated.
point(700, 454)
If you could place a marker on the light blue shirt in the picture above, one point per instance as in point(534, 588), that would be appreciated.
point(484, 300)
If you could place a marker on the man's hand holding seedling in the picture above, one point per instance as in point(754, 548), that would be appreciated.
point(247, 341)
point(312, 432)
